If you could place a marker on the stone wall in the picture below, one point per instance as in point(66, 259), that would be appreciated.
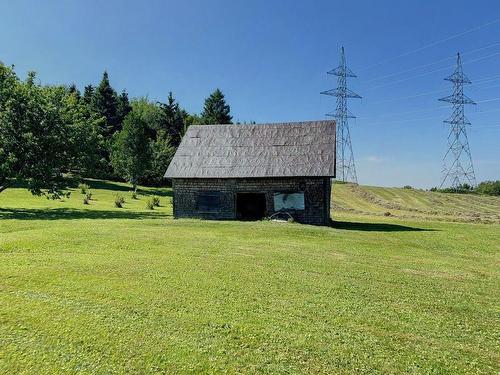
point(316, 196)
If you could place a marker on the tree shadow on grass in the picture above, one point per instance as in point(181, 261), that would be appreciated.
point(109, 185)
point(375, 227)
point(75, 214)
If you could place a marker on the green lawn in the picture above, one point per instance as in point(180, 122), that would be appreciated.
point(97, 289)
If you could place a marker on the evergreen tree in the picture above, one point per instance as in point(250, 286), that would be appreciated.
point(173, 124)
point(215, 110)
point(72, 89)
point(105, 103)
point(123, 106)
point(88, 94)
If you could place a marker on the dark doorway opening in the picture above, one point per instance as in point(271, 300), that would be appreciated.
point(250, 206)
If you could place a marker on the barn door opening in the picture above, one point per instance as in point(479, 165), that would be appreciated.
point(250, 206)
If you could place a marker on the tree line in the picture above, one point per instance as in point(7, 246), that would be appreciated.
point(50, 131)
point(483, 188)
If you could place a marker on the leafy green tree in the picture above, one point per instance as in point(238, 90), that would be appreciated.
point(33, 137)
point(151, 113)
point(489, 188)
point(156, 133)
point(162, 152)
point(131, 152)
point(216, 110)
point(84, 138)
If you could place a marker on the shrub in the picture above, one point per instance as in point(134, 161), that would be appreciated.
point(119, 200)
point(460, 189)
point(83, 188)
point(407, 187)
point(133, 194)
point(156, 201)
point(88, 195)
point(85, 200)
point(150, 204)
point(489, 188)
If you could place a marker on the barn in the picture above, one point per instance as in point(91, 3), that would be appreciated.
point(249, 172)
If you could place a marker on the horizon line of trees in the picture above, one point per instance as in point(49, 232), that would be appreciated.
point(49, 131)
point(489, 187)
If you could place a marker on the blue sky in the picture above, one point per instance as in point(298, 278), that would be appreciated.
point(270, 59)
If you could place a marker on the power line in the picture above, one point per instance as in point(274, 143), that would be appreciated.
point(423, 118)
point(404, 113)
point(406, 120)
point(432, 44)
point(487, 126)
point(407, 97)
point(486, 88)
point(430, 72)
point(430, 64)
point(478, 129)
point(486, 79)
point(427, 93)
point(488, 100)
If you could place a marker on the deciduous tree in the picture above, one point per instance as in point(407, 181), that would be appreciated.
point(33, 137)
point(131, 152)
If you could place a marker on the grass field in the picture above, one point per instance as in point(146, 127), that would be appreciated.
point(97, 289)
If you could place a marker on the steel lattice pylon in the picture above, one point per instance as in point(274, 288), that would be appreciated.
point(457, 162)
point(345, 168)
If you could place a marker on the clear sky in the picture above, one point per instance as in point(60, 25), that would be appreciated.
point(270, 59)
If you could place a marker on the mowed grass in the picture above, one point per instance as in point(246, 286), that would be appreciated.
point(415, 204)
point(97, 289)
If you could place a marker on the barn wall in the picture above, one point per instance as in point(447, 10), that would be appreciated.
point(316, 196)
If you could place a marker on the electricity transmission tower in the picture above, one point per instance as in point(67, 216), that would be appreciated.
point(345, 168)
point(457, 162)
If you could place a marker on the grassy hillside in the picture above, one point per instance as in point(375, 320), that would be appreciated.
point(415, 204)
point(97, 289)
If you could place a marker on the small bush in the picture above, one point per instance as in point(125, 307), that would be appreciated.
point(83, 188)
point(88, 195)
point(156, 201)
point(407, 187)
point(489, 188)
point(150, 204)
point(387, 213)
point(85, 200)
point(119, 200)
point(460, 189)
point(133, 194)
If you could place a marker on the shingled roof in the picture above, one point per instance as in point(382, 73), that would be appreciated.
point(296, 149)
